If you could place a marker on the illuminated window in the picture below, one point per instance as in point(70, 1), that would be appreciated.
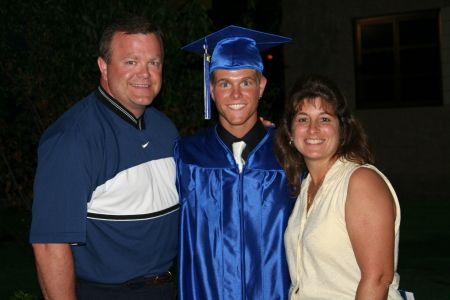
point(398, 60)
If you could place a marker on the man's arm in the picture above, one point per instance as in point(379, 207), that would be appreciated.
point(56, 271)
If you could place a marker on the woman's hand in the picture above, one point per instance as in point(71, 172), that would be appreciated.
point(266, 123)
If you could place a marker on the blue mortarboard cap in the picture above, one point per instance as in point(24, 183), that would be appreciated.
point(233, 48)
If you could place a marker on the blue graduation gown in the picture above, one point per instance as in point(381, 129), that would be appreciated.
point(232, 224)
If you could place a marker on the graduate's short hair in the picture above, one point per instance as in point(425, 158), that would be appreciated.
point(259, 77)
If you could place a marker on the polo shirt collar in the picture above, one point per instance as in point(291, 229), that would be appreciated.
point(119, 109)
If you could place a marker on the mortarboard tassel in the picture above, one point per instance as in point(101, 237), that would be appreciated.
point(206, 59)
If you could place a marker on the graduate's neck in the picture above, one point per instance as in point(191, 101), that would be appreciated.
point(238, 130)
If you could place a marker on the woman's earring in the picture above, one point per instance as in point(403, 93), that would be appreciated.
point(290, 142)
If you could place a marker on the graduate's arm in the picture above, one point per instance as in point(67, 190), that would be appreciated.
point(56, 271)
point(370, 218)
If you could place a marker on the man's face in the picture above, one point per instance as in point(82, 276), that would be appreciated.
point(134, 74)
point(237, 94)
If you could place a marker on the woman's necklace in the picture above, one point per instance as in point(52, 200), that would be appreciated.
point(313, 194)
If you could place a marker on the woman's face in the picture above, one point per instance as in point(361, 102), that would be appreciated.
point(315, 132)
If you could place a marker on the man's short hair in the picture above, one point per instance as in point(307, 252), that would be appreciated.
point(128, 24)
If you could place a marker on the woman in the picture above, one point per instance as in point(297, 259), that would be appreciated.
point(342, 237)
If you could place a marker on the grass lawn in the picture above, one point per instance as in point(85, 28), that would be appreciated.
point(424, 255)
point(424, 258)
point(17, 269)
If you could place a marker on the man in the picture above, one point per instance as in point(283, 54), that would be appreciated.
point(234, 203)
point(105, 211)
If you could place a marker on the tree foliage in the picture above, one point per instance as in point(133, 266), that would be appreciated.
point(49, 62)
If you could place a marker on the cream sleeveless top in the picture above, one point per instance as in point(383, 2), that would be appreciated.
point(320, 256)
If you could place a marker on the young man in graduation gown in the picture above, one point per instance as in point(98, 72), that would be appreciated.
point(234, 197)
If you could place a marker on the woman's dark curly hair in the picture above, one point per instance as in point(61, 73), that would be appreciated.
point(354, 144)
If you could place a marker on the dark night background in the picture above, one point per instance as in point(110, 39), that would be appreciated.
point(48, 63)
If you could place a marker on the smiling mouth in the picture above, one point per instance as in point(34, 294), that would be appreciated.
point(311, 141)
point(236, 106)
point(140, 85)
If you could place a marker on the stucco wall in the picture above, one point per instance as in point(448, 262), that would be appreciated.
point(412, 145)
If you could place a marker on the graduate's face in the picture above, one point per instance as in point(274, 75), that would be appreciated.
point(237, 94)
point(134, 74)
